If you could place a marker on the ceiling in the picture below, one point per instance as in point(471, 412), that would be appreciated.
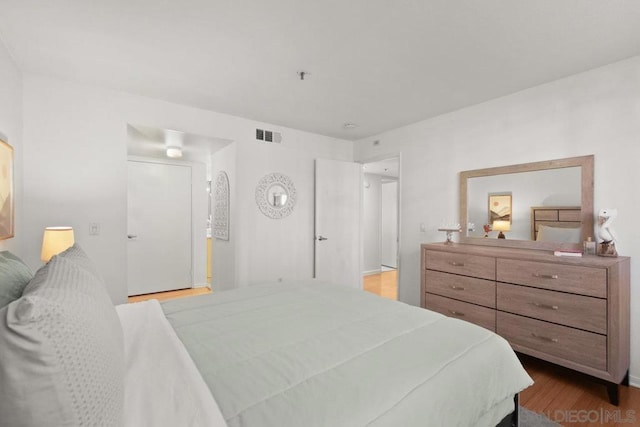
point(377, 64)
point(144, 141)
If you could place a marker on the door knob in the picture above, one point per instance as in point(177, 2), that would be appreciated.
point(132, 236)
point(321, 238)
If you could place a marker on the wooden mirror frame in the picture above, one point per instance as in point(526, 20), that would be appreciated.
point(587, 219)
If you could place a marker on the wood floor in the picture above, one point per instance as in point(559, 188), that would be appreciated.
point(572, 399)
point(180, 293)
point(384, 284)
point(562, 395)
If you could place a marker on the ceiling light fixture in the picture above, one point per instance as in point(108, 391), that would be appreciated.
point(173, 143)
point(349, 125)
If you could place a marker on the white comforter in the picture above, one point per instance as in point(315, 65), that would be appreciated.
point(162, 385)
point(310, 354)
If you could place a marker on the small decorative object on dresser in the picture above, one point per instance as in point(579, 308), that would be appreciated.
point(589, 246)
point(607, 246)
point(571, 311)
point(450, 229)
point(501, 226)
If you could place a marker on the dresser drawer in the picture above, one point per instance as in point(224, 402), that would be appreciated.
point(559, 277)
point(469, 289)
point(482, 316)
point(585, 348)
point(467, 265)
point(567, 309)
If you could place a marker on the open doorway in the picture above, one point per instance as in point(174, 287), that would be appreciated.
point(168, 209)
point(381, 208)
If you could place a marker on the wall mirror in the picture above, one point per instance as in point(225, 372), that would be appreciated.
point(276, 195)
point(550, 204)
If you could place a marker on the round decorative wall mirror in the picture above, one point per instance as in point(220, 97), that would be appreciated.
point(276, 195)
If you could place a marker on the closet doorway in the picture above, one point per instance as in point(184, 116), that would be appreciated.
point(381, 225)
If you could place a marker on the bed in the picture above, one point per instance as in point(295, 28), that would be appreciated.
point(556, 224)
point(305, 353)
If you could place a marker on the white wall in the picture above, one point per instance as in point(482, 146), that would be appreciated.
point(596, 112)
point(371, 222)
point(389, 237)
point(271, 249)
point(223, 267)
point(75, 173)
point(11, 132)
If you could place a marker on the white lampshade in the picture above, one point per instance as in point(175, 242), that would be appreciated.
point(501, 226)
point(56, 240)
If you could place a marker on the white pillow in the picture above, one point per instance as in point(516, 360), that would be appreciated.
point(61, 352)
point(559, 234)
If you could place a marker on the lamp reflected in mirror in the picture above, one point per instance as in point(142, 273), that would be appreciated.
point(501, 226)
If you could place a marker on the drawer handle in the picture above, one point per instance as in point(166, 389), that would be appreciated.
point(549, 306)
point(457, 288)
point(543, 338)
point(456, 313)
point(457, 264)
point(545, 276)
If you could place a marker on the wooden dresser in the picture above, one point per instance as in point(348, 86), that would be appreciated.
point(571, 311)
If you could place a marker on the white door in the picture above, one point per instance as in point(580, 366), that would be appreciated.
point(337, 222)
point(158, 227)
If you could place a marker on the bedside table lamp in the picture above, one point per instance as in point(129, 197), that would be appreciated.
point(55, 240)
point(501, 226)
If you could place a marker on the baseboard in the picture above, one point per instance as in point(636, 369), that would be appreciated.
point(370, 272)
point(634, 381)
point(201, 285)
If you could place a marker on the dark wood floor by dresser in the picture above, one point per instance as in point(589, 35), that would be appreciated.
point(573, 400)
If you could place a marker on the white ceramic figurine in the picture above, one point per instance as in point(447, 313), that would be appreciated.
point(607, 236)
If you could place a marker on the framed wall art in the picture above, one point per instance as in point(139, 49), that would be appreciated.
point(499, 207)
point(6, 190)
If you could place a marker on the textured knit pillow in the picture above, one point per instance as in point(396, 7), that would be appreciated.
point(61, 352)
point(14, 276)
point(76, 255)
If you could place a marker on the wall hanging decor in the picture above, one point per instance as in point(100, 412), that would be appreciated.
point(221, 207)
point(276, 195)
point(6, 190)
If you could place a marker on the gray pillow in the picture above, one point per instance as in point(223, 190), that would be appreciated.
point(14, 276)
point(61, 352)
point(78, 256)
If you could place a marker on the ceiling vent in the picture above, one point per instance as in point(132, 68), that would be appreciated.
point(268, 136)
